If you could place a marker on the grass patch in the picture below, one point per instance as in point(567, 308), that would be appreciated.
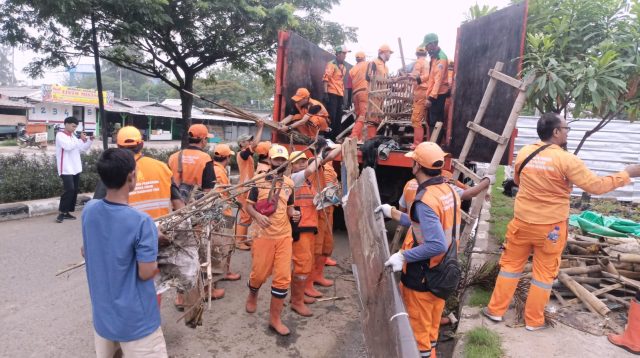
point(479, 297)
point(501, 208)
point(9, 142)
point(482, 343)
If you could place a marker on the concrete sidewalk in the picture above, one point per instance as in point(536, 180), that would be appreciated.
point(28, 209)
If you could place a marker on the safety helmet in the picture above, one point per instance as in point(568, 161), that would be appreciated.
point(129, 136)
point(429, 155)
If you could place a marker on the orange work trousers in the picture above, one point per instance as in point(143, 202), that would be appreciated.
point(522, 239)
point(360, 100)
point(425, 310)
point(271, 257)
point(419, 109)
point(244, 220)
point(324, 239)
point(303, 254)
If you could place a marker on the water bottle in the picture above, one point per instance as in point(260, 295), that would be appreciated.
point(554, 234)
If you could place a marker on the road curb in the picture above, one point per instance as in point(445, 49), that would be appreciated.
point(27, 209)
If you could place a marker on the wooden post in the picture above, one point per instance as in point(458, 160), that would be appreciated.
point(401, 54)
point(592, 302)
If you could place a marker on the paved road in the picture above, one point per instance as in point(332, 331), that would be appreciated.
point(48, 316)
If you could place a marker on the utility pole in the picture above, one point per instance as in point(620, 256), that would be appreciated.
point(120, 72)
point(96, 58)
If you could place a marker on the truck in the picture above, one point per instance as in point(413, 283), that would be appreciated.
point(301, 63)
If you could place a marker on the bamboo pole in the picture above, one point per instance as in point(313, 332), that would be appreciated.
point(580, 270)
point(591, 301)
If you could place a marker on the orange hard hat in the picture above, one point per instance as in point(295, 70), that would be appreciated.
point(223, 150)
point(429, 155)
point(301, 93)
point(199, 131)
point(385, 48)
point(129, 136)
point(360, 55)
point(278, 151)
point(263, 148)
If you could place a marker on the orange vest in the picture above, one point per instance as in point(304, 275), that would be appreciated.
point(304, 195)
point(377, 68)
point(440, 199)
point(246, 168)
point(320, 120)
point(358, 75)
point(334, 77)
point(222, 179)
point(280, 227)
point(193, 163)
point(153, 187)
point(421, 70)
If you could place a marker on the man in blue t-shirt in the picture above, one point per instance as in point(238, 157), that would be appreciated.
point(120, 246)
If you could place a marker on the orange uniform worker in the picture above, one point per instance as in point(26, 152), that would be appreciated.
point(377, 69)
point(360, 94)
point(434, 217)
point(246, 167)
point(420, 74)
point(272, 244)
point(221, 156)
point(438, 83)
point(540, 217)
point(333, 80)
point(309, 116)
point(155, 193)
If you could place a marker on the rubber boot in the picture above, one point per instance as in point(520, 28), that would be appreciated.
point(319, 278)
point(252, 300)
point(630, 338)
point(241, 235)
point(418, 136)
point(330, 262)
point(297, 297)
point(309, 290)
point(275, 312)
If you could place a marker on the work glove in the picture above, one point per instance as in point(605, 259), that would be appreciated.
point(385, 209)
point(396, 261)
point(492, 178)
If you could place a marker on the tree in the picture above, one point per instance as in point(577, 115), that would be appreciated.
point(242, 89)
point(476, 11)
point(585, 58)
point(173, 40)
point(6, 66)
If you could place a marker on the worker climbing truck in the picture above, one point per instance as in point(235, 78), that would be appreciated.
point(301, 63)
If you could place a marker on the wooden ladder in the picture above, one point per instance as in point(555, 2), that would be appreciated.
point(502, 140)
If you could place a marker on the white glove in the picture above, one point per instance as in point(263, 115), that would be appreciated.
point(396, 261)
point(492, 178)
point(386, 210)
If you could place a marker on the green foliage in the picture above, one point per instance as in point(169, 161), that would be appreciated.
point(9, 143)
point(242, 89)
point(482, 343)
point(6, 66)
point(479, 297)
point(29, 177)
point(476, 11)
point(501, 209)
point(583, 55)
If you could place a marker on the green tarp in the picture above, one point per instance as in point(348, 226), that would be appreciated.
point(598, 224)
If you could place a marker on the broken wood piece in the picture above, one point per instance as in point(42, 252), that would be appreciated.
point(70, 268)
point(608, 266)
point(596, 292)
point(592, 302)
point(629, 274)
point(632, 258)
point(588, 280)
point(559, 297)
point(617, 299)
point(627, 281)
point(580, 270)
point(578, 250)
point(335, 298)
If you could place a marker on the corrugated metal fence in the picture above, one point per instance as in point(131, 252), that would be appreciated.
point(607, 151)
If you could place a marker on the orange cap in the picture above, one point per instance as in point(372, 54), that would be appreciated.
point(223, 150)
point(297, 155)
point(360, 55)
point(421, 50)
point(428, 155)
point(263, 148)
point(385, 48)
point(278, 151)
point(129, 136)
point(199, 131)
point(301, 93)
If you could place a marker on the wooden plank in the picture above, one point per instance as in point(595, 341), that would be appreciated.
point(460, 168)
point(627, 281)
point(487, 133)
point(436, 132)
point(597, 292)
point(467, 218)
point(506, 79)
point(591, 301)
point(350, 160)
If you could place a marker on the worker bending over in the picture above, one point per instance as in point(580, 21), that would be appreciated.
point(270, 203)
point(546, 173)
point(309, 116)
point(434, 217)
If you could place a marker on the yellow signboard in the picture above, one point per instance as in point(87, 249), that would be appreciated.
point(74, 95)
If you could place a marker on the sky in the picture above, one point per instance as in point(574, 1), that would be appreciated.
point(377, 22)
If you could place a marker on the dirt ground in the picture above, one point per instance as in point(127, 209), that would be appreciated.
point(48, 316)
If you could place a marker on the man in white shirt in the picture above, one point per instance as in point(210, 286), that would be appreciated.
point(68, 148)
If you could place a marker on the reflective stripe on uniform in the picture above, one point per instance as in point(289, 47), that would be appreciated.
point(152, 204)
point(545, 286)
point(510, 274)
point(425, 354)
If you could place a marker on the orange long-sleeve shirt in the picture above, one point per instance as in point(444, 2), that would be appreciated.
point(358, 74)
point(438, 82)
point(420, 73)
point(377, 68)
point(547, 180)
point(334, 77)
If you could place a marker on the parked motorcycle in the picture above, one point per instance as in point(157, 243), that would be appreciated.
point(26, 140)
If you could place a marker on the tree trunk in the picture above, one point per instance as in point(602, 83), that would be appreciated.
point(187, 103)
point(589, 133)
